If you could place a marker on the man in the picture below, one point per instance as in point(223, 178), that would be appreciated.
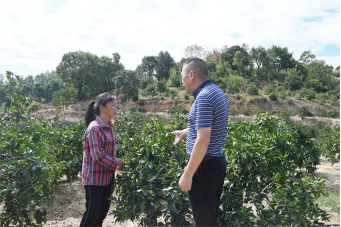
point(203, 177)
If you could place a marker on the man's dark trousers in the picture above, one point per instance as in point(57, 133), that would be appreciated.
point(97, 204)
point(204, 196)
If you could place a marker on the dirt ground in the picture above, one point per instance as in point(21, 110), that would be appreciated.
point(68, 201)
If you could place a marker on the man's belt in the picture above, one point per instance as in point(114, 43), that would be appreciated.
point(208, 157)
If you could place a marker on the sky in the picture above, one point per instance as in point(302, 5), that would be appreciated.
point(36, 34)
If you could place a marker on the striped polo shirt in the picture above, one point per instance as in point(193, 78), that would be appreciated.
point(209, 110)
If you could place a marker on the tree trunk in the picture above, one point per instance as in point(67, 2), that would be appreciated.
point(79, 92)
point(127, 104)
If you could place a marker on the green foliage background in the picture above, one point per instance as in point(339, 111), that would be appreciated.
point(266, 181)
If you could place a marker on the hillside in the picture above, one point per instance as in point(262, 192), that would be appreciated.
point(76, 112)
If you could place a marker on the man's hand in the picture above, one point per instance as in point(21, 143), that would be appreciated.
point(179, 135)
point(185, 183)
point(119, 163)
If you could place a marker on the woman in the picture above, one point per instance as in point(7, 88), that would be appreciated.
point(99, 158)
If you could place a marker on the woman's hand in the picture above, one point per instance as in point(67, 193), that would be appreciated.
point(119, 164)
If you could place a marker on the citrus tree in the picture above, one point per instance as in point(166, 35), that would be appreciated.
point(32, 160)
point(262, 185)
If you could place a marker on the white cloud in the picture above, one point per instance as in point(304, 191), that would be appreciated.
point(35, 34)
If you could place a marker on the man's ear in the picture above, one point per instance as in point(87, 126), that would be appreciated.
point(192, 75)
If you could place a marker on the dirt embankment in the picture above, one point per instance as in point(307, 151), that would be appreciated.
point(76, 112)
point(157, 105)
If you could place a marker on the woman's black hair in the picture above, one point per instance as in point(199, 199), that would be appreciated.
point(93, 107)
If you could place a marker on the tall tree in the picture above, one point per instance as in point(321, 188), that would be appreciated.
point(307, 57)
point(126, 85)
point(107, 70)
point(164, 63)
point(228, 54)
point(146, 71)
point(259, 56)
point(195, 51)
point(77, 69)
point(63, 98)
point(280, 58)
point(213, 56)
point(238, 60)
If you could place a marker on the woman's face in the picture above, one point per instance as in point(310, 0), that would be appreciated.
point(110, 109)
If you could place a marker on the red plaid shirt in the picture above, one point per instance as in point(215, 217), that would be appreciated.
point(99, 161)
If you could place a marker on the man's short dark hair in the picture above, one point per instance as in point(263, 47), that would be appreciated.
point(198, 66)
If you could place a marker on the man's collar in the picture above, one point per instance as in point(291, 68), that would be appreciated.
point(203, 84)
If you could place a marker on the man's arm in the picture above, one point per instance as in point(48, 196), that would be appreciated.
point(198, 153)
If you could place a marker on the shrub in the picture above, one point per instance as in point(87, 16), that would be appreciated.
point(233, 112)
point(142, 110)
point(304, 112)
point(270, 89)
point(34, 106)
point(273, 96)
point(238, 97)
point(150, 90)
point(247, 112)
point(293, 81)
point(184, 111)
point(251, 89)
point(310, 94)
point(174, 79)
point(161, 87)
point(329, 143)
point(186, 96)
point(173, 93)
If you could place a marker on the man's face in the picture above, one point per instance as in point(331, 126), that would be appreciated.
point(186, 79)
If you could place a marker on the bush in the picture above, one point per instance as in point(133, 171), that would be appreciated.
point(273, 96)
point(293, 81)
point(172, 93)
point(161, 87)
point(34, 106)
point(310, 94)
point(238, 97)
point(186, 96)
point(174, 79)
point(329, 143)
point(233, 112)
point(150, 90)
point(184, 111)
point(270, 89)
point(304, 112)
point(251, 89)
point(234, 83)
point(324, 113)
point(247, 112)
point(142, 110)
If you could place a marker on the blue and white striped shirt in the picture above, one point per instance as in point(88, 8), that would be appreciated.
point(209, 110)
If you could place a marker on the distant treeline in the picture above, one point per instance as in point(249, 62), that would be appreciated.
point(236, 69)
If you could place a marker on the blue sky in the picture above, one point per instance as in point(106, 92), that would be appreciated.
point(35, 34)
